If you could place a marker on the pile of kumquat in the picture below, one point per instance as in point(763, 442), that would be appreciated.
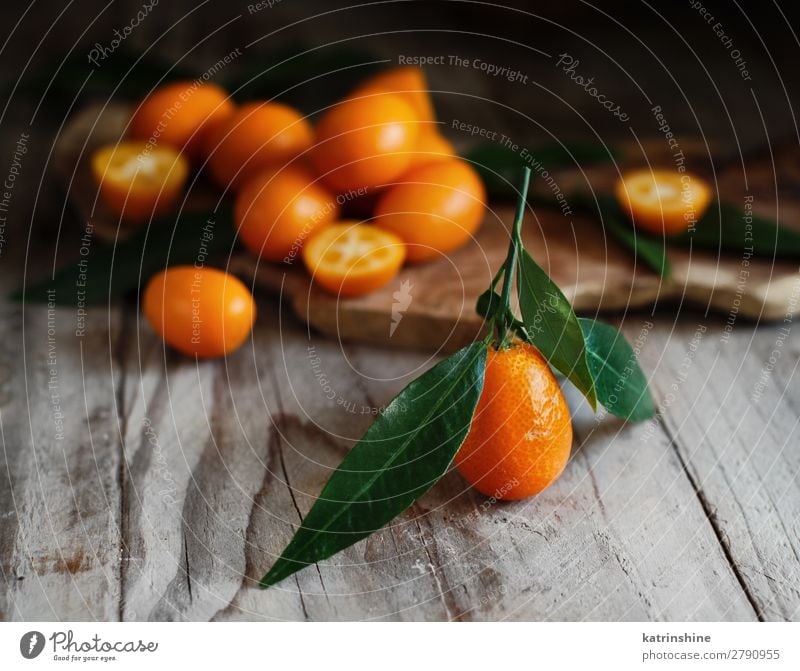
point(373, 186)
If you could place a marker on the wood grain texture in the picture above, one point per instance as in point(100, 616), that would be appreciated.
point(222, 460)
point(734, 425)
point(61, 543)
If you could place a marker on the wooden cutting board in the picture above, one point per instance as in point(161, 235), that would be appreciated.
point(432, 305)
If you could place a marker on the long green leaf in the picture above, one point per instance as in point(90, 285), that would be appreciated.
point(552, 326)
point(401, 456)
point(724, 226)
point(650, 250)
point(112, 270)
point(620, 383)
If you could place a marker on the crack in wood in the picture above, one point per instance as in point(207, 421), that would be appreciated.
point(711, 516)
point(119, 355)
point(451, 608)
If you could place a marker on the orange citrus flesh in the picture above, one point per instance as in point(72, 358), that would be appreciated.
point(663, 202)
point(137, 180)
point(521, 434)
point(352, 259)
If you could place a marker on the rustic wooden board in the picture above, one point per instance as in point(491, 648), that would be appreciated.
point(187, 480)
point(592, 270)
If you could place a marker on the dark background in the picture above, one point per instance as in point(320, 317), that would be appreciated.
point(665, 52)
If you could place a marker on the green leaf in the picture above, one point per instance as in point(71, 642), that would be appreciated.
point(652, 251)
point(723, 226)
point(499, 166)
point(552, 326)
point(112, 270)
point(401, 456)
point(489, 302)
point(620, 383)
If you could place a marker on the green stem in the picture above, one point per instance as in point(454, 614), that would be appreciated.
point(510, 266)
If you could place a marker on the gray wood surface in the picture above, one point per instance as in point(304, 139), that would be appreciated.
point(176, 484)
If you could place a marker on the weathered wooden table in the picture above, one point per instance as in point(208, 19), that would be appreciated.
point(135, 484)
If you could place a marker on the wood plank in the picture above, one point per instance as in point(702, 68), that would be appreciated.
point(316, 394)
point(734, 421)
point(166, 402)
point(620, 536)
point(60, 547)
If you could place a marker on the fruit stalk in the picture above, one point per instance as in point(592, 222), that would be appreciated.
point(511, 263)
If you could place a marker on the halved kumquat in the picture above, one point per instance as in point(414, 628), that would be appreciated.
point(352, 259)
point(137, 180)
point(663, 202)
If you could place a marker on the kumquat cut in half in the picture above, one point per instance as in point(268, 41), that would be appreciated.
point(663, 202)
point(138, 181)
point(352, 259)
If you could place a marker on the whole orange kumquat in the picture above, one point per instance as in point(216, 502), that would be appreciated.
point(201, 312)
point(181, 114)
point(434, 208)
point(521, 434)
point(277, 210)
point(365, 142)
point(431, 147)
point(259, 135)
point(407, 81)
